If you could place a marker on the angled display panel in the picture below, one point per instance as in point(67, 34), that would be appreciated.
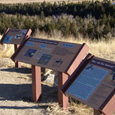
point(15, 36)
point(50, 54)
point(94, 85)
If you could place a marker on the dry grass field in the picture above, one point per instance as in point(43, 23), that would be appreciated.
point(102, 48)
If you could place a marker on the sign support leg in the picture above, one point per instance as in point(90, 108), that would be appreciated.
point(17, 64)
point(62, 99)
point(96, 112)
point(36, 83)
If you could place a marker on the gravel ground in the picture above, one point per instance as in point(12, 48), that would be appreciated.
point(16, 92)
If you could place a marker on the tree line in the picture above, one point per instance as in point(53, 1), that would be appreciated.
point(95, 24)
point(81, 9)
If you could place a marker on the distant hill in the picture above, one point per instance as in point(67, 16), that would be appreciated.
point(30, 1)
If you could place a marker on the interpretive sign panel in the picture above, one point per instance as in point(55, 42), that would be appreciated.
point(15, 36)
point(50, 54)
point(63, 57)
point(94, 85)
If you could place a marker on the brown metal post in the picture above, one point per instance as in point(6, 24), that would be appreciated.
point(96, 112)
point(62, 99)
point(17, 64)
point(109, 108)
point(36, 83)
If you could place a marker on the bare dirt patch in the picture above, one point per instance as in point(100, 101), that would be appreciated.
point(16, 93)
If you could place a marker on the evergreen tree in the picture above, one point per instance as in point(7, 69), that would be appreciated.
point(73, 29)
point(90, 29)
point(42, 15)
point(103, 20)
point(107, 29)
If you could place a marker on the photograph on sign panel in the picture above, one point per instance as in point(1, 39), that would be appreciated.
point(24, 32)
point(18, 36)
point(88, 68)
point(111, 78)
point(44, 59)
point(57, 62)
point(41, 51)
point(8, 39)
point(30, 52)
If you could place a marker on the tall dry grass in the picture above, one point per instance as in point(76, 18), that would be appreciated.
point(74, 109)
point(100, 48)
point(6, 50)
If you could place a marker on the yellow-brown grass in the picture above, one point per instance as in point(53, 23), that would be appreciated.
point(6, 50)
point(101, 48)
point(74, 109)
